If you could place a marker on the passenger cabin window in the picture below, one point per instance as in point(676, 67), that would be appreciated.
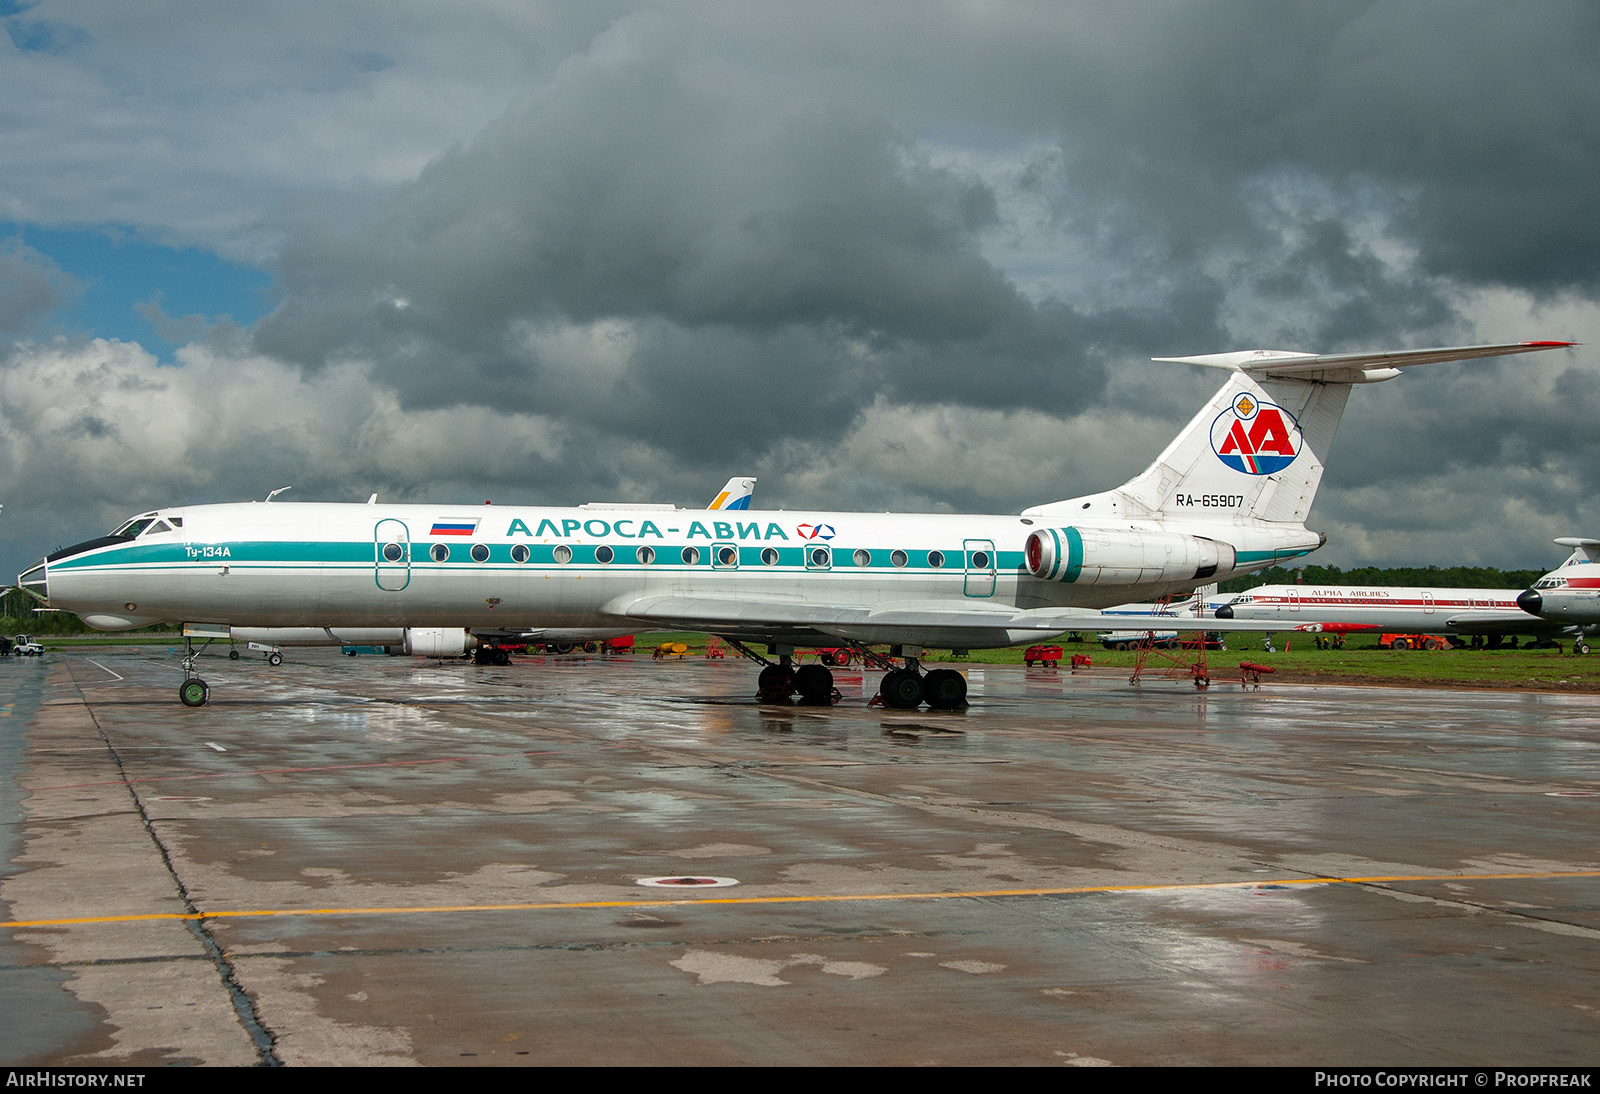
point(439, 552)
point(936, 559)
point(645, 555)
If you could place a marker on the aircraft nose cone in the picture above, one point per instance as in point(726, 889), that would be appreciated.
point(1225, 612)
point(35, 582)
point(1531, 602)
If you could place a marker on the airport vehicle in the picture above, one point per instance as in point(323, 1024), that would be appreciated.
point(1570, 594)
point(1127, 640)
point(1230, 494)
point(1414, 641)
point(23, 645)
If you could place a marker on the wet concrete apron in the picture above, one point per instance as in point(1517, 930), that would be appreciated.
point(381, 860)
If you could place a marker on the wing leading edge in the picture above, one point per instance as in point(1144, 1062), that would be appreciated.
point(928, 624)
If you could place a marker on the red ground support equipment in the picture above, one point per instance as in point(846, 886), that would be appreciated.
point(1250, 673)
point(1048, 656)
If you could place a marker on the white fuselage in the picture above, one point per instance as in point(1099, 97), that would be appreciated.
point(1395, 608)
point(1569, 595)
point(334, 565)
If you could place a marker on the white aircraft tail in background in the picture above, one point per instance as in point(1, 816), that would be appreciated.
point(735, 495)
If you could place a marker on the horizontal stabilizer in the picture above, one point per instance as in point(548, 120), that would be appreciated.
point(1589, 547)
point(1289, 364)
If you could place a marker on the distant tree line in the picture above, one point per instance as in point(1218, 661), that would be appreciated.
point(1438, 577)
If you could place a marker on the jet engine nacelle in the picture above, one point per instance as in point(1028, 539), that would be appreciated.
point(1089, 556)
point(439, 641)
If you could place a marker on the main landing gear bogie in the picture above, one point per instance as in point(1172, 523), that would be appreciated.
point(812, 684)
point(906, 689)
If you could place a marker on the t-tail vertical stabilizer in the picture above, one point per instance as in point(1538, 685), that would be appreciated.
point(1245, 470)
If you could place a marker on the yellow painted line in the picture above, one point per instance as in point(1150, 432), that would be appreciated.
point(840, 898)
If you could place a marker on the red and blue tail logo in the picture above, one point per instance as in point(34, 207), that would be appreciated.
point(1255, 437)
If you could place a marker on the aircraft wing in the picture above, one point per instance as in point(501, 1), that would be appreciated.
point(1500, 623)
point(930, 624)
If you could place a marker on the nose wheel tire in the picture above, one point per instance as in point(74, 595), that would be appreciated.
point(193, 692)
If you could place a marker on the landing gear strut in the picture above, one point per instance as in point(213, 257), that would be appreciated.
point(193, 692)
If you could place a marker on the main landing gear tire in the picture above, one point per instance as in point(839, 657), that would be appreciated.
point(1580, 646)
point(814, 683)
point(193, 692)
point(945, 689)
point(901, 689)
point(776, 684)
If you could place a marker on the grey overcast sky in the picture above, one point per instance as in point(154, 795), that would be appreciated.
point(908, 256)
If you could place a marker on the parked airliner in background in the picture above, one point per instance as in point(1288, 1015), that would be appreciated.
point(1346, 609)
point(441, 642)
point(1569, 594)
point(1228, 496)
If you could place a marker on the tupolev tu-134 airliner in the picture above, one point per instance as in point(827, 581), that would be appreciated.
point(1229, 495)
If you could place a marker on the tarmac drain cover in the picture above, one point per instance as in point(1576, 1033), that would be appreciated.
point(690, 881)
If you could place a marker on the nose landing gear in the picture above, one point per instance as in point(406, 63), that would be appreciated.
point(193, 692)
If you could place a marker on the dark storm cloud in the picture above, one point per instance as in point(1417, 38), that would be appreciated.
point(31, 287)
point(651, 184)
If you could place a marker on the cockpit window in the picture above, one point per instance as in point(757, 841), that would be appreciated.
point(133, 527)
point(158, 526)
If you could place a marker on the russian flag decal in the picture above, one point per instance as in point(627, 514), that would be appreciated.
point(453, 528)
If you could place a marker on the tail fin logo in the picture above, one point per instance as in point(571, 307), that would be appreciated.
point(1254, 437)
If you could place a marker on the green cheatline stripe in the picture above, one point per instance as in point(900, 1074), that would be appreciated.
point(253, 555)
point(1074, 555)
point(833, 898)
